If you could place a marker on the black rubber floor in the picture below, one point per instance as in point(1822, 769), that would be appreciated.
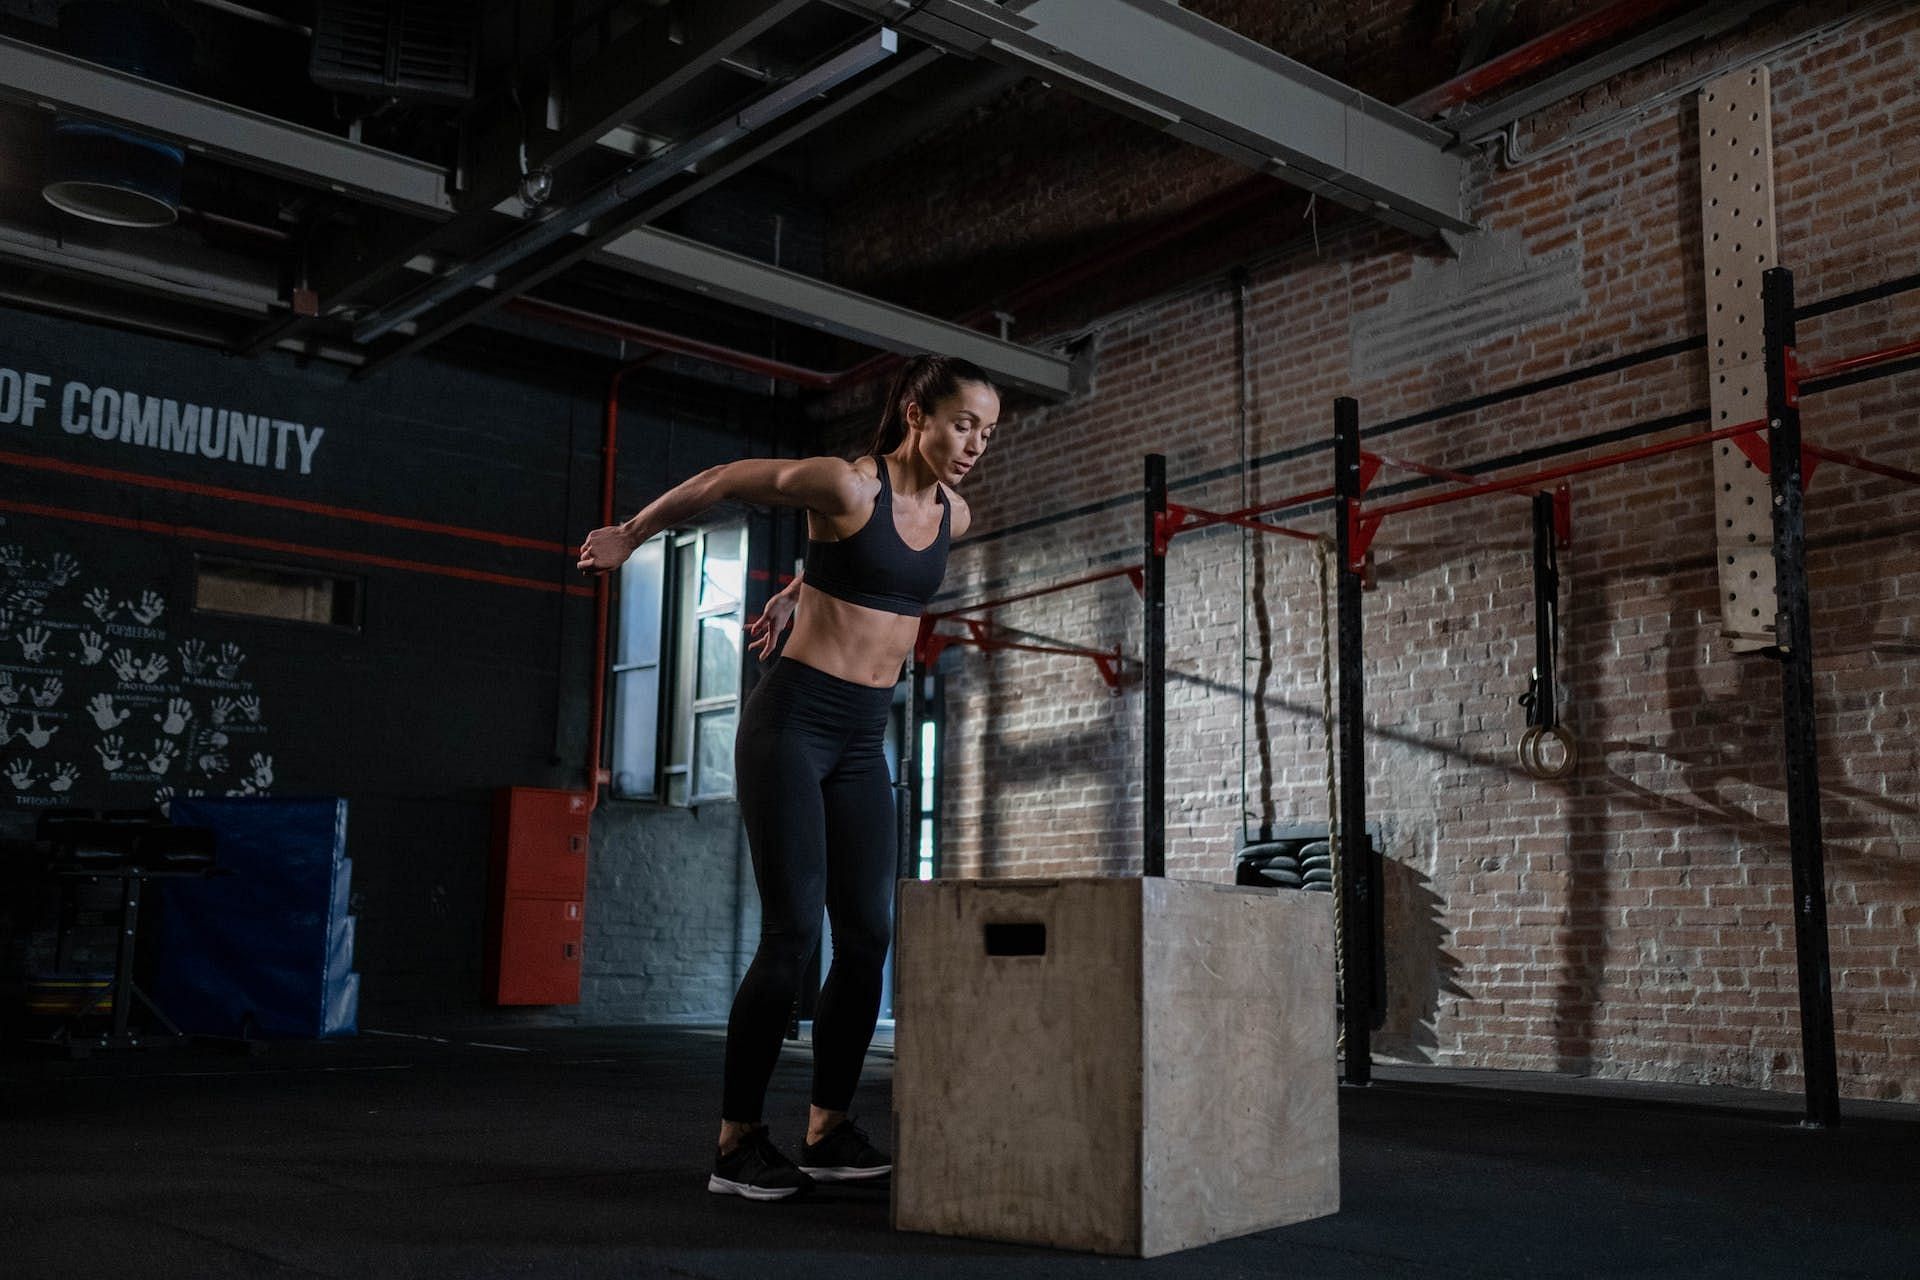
point(584, 1153)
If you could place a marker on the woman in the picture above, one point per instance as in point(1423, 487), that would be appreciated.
point(809, 770)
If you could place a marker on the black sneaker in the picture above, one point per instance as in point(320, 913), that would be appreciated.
point(844, 1155)
point(756, 1169)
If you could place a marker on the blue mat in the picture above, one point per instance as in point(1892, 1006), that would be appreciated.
point(267, 949)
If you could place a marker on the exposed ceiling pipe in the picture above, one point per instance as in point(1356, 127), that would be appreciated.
point(587, 321)
point(1696, 22)
point(1556, 44)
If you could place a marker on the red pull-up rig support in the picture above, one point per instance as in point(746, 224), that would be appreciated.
point(980, 634)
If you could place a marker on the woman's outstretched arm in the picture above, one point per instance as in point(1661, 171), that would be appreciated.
point(828, 485)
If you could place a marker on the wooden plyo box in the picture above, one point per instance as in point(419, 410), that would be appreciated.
point(1127, 1066)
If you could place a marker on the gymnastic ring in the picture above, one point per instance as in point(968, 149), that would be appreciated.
point(1530, 758)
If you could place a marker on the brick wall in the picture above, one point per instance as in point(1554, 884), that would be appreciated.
point(1633, 920)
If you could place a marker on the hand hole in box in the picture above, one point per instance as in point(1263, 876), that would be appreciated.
point(1016, 938)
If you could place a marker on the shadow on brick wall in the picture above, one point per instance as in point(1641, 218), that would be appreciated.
point(1419, 967)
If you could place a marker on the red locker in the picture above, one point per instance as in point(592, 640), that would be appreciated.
point(537, 896)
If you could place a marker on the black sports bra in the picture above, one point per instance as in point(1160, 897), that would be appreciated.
point(875, 568)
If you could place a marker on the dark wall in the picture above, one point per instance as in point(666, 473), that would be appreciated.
point(451, 685)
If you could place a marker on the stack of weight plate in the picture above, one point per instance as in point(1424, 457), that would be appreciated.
point(1316, 867)
point(1275, 863)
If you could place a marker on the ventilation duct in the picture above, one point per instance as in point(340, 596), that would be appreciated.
point(421, 50)
point(102, 172)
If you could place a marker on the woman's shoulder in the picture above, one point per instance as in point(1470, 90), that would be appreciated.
point(853, 483)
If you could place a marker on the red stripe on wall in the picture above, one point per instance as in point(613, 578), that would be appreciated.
point(269, 500)
point(288, 548)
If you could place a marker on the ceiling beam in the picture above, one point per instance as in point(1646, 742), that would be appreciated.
point(40, 78)
point(1154, 62)
point(747, 282)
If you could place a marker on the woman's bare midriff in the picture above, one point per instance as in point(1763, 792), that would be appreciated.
point(857, 644)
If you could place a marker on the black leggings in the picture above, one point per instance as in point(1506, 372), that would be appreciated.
point(811, 774)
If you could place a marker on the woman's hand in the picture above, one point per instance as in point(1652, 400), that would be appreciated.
point(763, 632)
point(607, 549)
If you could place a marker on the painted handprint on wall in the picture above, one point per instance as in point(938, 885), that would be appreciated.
point(105, 714)
point(33, 643)
point(48, 693)
point(194, 657)
point(21, 774)
point(109, 749)
point(148, 609)
point(124, 665)
point(154, 668)
point(93, 647)
point(230, 659)
point(262, 770)
point(39, 735)
point(63, 778)
point(223, 710)
point(161, 756)
point(179, 713)
point(250, 708)
point(212, 762)
point(62, 569)
point(99, 603)
point(13, 560)
point(9, 695)
point(24, 605)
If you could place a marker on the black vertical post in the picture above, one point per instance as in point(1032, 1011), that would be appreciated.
point(1793, 627)
point(1357, 889)
point(1153, 799)
point(1545, 709)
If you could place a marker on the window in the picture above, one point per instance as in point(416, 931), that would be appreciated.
point(676, 671)
point(275, 591)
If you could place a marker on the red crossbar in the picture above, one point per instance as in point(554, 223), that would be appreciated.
point(932, 643)
point(1864, 464)
point(1850, 363)
point(1179, 519)
point(1291, 500)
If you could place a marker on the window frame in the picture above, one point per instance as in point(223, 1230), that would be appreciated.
point(618, 673)
point(679, 707)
